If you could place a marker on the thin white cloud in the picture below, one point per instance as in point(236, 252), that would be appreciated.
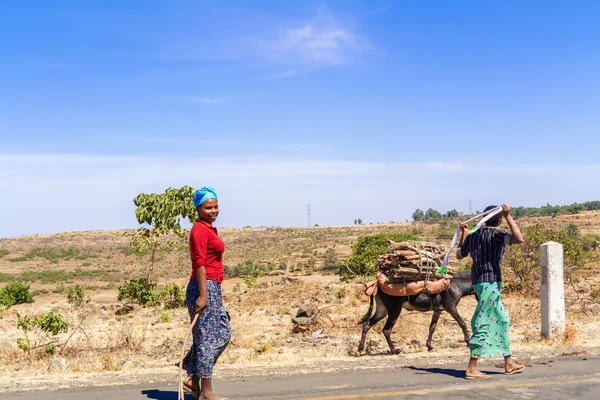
point(312, 44)
point(280, 48)
point(323, 41)
point(62, 192)
point(282, 75)
point(201, 99)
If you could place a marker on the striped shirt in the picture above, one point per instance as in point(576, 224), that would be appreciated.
point(486, 247)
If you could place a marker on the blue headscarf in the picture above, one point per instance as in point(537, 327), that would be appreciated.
point(201, 195)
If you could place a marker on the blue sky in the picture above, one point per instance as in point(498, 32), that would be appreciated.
point(367, 109)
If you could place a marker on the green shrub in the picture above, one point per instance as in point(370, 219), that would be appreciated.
point(3, 252)
point(52, 323)
point(329, 259)
point(15, 293)
point(595, 293)
point(76, 297)
point(521, 264)
point(45, 325)
point(173, 295)
point(251, 273)
point(165, 316)
point(140, 291)
point(366, 251)
point(50, 349)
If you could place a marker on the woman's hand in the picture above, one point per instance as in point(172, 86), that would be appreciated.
point(201, 303)
point(464, 227)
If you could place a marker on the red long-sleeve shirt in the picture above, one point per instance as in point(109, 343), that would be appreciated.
point(206, 250)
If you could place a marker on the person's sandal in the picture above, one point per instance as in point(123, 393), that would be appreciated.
point(187, 386)
point(477, 377)
point(515, 369)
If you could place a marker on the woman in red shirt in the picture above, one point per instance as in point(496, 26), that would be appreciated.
point(212, 332)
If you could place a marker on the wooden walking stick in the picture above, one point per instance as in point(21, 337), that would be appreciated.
point(187, 336)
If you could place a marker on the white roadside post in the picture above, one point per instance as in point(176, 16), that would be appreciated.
point(553, 290)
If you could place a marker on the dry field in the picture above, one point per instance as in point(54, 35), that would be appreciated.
point(149, 339)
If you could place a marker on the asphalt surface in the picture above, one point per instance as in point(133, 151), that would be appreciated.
point(577, 378)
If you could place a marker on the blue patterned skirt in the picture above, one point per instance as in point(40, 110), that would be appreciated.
point(212, 332)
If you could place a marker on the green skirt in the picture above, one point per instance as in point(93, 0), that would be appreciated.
point(489, 323)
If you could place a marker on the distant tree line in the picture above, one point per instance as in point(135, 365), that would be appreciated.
point(517, 212)
point(419, 215)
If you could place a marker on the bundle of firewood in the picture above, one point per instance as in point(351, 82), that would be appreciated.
point(411, 261)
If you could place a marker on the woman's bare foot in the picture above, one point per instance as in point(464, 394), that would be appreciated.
point(513, 367)
point(211, 396)
point(474, 373)
point(192, 386)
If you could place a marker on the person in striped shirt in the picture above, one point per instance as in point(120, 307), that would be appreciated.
point(491, 322)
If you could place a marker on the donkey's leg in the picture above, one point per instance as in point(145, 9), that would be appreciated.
point(454, 312)
point(434, 320)
point(393, 315)
point(380, 313)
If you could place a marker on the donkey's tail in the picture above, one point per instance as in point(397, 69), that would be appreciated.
point(369, 311)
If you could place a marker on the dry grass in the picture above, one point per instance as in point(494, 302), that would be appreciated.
point(260, 317)
point(570, 334)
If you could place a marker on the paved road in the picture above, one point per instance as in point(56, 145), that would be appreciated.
point(564, 379)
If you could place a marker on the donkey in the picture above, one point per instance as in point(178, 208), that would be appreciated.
point(392, 306)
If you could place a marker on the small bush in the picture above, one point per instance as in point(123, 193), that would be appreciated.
point(58, 290)
point(283, 311)
point(173, 295)
point(52, 323)
point(3, 252)
point(15, 293)
point(596, 294)
point(329, 259)
point(44, 325)
point(140, 291)
point(76, 297)
point(165, 316)
point(251, 273)
point(50, 349)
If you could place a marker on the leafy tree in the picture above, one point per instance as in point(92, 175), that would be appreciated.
point(365, 254)
point(576, 208)
point(359, 221)
point(432, 214)
point(162, 214)
point(452, 214)
point(418, 215)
